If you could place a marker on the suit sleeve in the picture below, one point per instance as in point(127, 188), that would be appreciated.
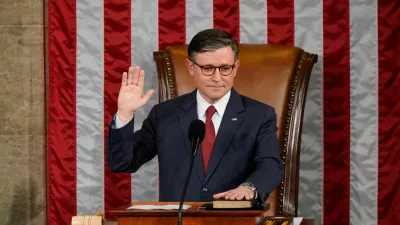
point(268, 169)
point(127, 150)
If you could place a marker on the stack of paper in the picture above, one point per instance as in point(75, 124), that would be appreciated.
point(153, 207)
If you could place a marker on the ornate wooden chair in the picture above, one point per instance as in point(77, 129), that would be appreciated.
point(274, 74)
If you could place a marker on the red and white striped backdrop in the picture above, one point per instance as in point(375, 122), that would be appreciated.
point(350, 171)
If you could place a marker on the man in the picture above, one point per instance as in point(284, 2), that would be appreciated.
point(239, 157)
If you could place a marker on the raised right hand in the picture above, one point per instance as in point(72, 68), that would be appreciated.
point(131, 96)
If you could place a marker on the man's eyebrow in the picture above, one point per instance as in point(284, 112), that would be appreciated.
point(224, 64)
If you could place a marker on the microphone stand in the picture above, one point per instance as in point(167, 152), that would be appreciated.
point(192, 155)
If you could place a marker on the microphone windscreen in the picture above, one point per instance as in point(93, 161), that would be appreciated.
point(197, 129)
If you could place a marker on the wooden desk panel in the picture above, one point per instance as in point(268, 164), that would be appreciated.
point(191, 216)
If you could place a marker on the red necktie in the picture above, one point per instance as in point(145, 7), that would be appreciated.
point(209, 138)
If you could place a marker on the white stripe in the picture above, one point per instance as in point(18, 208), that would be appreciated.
point(199, 16)
point(252, 21)
point(144, 33)
point(308, 36)
point(89, 106)
point(363, 112)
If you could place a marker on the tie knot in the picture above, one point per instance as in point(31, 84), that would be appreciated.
point(210, 111)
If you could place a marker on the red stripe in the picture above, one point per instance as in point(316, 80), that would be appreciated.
point(171, 22)
point(171, 25)
point(336, 108)
point(226, 17)
point(280, 18)
point(62, 112)
point(389, 112)
point(117, 58)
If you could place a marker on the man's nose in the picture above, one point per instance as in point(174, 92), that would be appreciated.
point(217, 75)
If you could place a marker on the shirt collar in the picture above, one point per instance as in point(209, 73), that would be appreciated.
point(220, 105)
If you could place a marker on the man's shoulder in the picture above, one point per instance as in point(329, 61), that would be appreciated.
point(175, 102)
point(253, 104)
point(257, 112)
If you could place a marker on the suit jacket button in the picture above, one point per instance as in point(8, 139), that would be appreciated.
point(205, 189)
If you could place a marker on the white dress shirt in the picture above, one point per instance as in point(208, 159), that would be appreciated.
point(202, 106)
point(220, 106)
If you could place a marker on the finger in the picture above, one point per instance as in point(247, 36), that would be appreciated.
point(147, 96)
point(220, 195)
point(234, 195)
point(249, 195)
point(136, 75)
point(241, 196)
point(141, 79)
point(231, 195)
point(130, 75)
point(124, 79)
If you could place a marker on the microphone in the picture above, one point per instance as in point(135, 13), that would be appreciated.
point(197, 130)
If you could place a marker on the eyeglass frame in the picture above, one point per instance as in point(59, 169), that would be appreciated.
point(233, 66)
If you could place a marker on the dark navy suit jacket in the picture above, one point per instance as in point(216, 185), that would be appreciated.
point(246, 148)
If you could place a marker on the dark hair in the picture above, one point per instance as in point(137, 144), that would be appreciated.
point(211, 40)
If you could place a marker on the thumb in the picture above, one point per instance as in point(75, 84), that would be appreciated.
point(147, 96)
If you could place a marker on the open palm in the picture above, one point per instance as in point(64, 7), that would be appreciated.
point(131, 96)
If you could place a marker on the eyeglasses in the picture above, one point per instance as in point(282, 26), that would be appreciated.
point(208, 70)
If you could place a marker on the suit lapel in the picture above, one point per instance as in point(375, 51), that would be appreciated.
point(231, 121)
point(187, 114)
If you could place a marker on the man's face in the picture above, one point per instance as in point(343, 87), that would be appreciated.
point(215, 86)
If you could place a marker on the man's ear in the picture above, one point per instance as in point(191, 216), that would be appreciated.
point(237, 64)
point(189, 66)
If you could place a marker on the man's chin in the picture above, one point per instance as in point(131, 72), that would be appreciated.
point(218, 90)
point(217, 96)
point(214, 94)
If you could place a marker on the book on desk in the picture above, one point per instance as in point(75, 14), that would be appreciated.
point(235, 204)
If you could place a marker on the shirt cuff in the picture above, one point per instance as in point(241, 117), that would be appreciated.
point(119, 123)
